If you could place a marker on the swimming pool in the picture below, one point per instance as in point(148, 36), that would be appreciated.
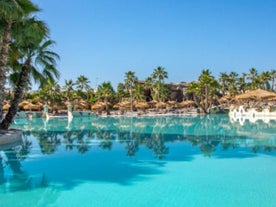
point(141, 161)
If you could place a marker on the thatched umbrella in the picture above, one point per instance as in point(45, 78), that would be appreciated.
point(152, 103)
point(172, 104)
point(186, 103)
point(117, 106)
point(258, 94)
point(23, 103)
point(6, 107)
point(141, 105)
point(98, 106)
point(160, 105)
point(225, 99)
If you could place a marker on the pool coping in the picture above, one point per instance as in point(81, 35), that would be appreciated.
point(10, 138)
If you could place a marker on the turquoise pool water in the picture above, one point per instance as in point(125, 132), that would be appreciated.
point(133, 161)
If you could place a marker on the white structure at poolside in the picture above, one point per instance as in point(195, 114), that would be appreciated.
point(252, 115)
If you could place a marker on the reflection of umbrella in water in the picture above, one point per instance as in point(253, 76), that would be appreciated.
point(258, 94)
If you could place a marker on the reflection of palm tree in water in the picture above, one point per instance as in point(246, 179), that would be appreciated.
point(2, 179)
point(19, 180)
point(156, 143)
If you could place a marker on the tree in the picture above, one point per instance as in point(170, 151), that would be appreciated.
point(130, 82)
point(82, 83)
point(273, 76)
point(11, 12)
point(264, 79)
point(159, 74)
point(121, 91)
point(36, 59)
point(69, 89)
point(51, 92)
point(138, 93)
point(105, 92)
point(204, 90)
point(159, 88)
point(232, 83)
point(223, 79)
point(252, 76)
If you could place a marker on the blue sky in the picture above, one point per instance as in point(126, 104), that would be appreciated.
point(103, 39)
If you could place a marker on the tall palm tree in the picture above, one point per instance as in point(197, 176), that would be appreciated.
point(130, 82)
point(223, 79)
point(37, 62)
point(160, 74)
point(204, 89)
point(11, 11)
point(232, 83)
point(82, 83)
point(273, 76)
point(241, 83)
point(252, 75)
point(265, 77)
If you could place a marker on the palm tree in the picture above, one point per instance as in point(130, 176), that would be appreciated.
point(121, 91)
point(232, 83)
point(265, 77)
point(273, 76)
point(253, 73)
point(223, 79)
point(158, 86)
point(138, 93)
point(159, 74)
point(82, 83)
point(204, 89)
point(130, 82)
point(11, 12)
point(241, 83)
point(51, 91)
point(106, 92)
point(37, 60)
point(68, 89)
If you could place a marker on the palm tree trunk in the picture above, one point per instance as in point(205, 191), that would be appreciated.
point(18, 94)
point(131, 101)
point(106, 106)
point(3, 63)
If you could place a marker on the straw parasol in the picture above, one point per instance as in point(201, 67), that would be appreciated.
point(258, 94)
point(98, 106)
point(160, 105)
point(141, 105)
point(225, 99)
point(6, 107)
point(186, 103)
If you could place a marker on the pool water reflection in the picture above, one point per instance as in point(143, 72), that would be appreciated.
point(150, 161)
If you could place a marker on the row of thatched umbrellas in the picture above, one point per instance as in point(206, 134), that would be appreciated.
point(256, 95)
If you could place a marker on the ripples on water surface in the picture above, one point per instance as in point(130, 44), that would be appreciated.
point(135, 161)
